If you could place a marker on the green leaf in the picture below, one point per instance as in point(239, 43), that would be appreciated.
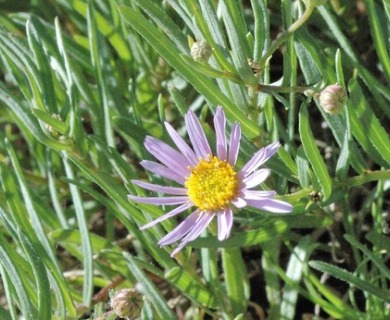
point(83, 227)
point(374, 257)
point(243, 239)
point(351, 279)
point(379, 34)
point(295, 270)
point(42, 282)
point(107, 30)
point(236, 279)
point(191, 286)
point(313, 154)
point(51, 121)
point(366, 127)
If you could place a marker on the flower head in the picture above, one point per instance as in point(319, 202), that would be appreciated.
point(209, 181)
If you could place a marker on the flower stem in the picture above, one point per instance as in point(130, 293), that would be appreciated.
point(282, 89)
point(366, 177)
point(279, 41)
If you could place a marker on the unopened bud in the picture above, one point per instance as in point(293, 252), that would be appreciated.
point(201, 51)
point(127, 303)
point(333, 98)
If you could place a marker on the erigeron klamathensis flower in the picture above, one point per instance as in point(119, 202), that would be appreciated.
point(208, 181)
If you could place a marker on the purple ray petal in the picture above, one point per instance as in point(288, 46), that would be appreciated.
point(271, 205)
point(162, 171)
point(234, 144)
point(257, 194)
point(256, 178)
point(195, 232)
point(239, 202)
point(159, 201)
point(181, 230)
point(168, 215)
point(197, 136)
point(259, 158)
point(167, 155)
point(182, 145)
point(225, 222)
point(220, 128)
point(157, 188)
point(229, 222)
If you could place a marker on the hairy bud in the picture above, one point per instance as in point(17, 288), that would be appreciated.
point(127, 303)
point(333, 98)
point(201, 51)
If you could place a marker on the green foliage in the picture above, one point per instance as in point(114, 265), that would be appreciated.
point(83, 82)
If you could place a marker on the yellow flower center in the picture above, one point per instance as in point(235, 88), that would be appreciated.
point(212, 184)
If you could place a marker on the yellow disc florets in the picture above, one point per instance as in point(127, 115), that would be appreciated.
point(212, 184)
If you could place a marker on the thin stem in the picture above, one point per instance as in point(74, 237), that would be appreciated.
point(365, 178)
point(279, 41)
point(281, 89)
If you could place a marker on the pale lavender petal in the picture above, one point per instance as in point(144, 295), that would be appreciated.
point(239, 202)
point(229, 222)
point(168, 215)
point(181, 230)
point(257, 194)
point(259, 158)
point(200, 225)
point(168, 156)
point(225, 222)
point(234, 144)
point(256, 178)
point(162, 171)
point(197, 136)
point(271, 205)
point(158, 188)
point(159, 201)
point(221, 225)
point(220, 127)
point(182, 145)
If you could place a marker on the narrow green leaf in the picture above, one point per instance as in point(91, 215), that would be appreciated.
point(51, 121)
point(107, 30)
point(42, 282)
point(191, 287)
point(351, 279)
point(344, 159)
point(313, 154)
point(366, 127)
point(243, 239)
point(303, 168)
point(236, 279)
point(83, 227)
point(295, 269)
point(236, 31)
point(149, 289)
point(378, 32)
point(25, 303)
point(162, 19)
point(375, 258)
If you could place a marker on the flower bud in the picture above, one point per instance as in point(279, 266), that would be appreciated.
point(127, 303)
point(333, 98)
point(201, 51)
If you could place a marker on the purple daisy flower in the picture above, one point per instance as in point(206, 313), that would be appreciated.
point(210, 183)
